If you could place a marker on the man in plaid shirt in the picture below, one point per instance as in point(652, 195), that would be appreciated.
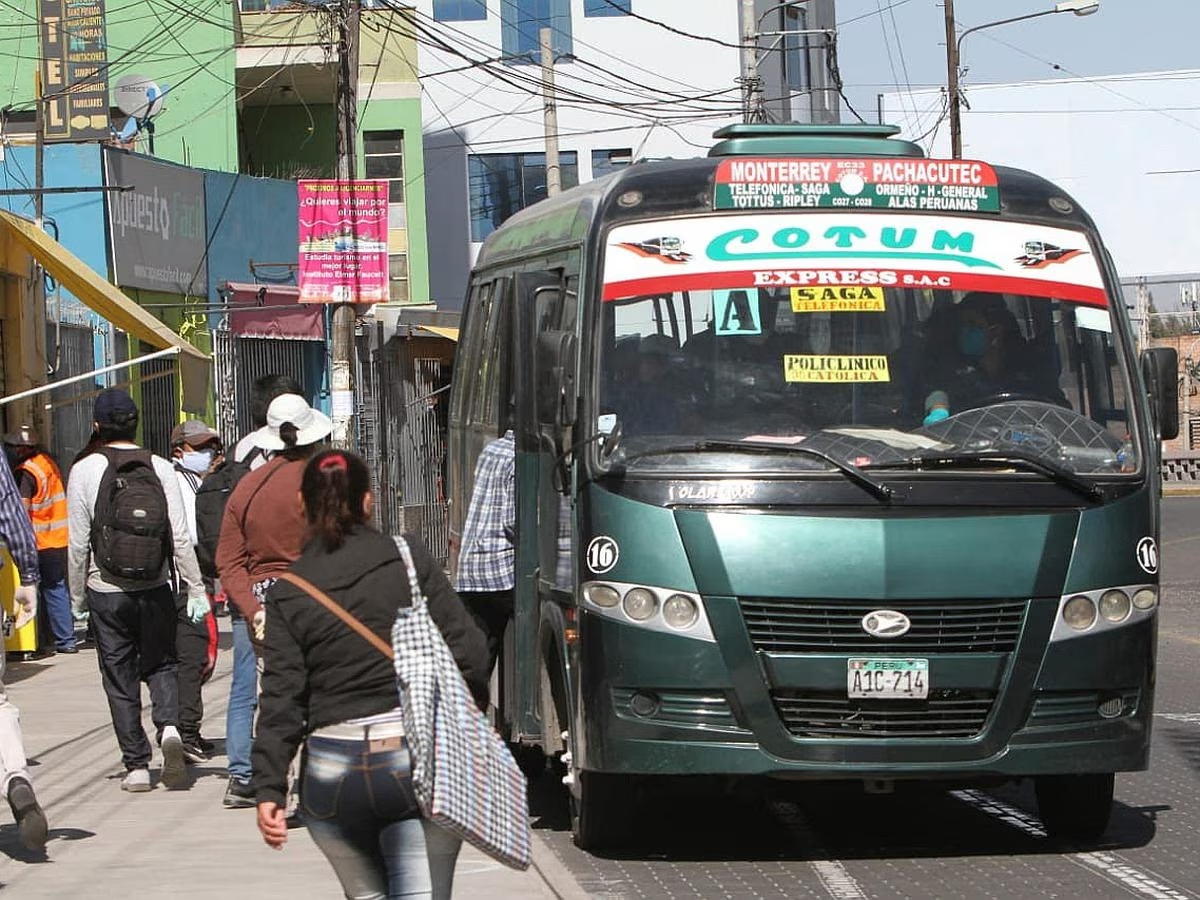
point(488, 550)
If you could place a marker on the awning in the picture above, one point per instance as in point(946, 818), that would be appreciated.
point(274, 311)
point(108, 301)
point(451, 333)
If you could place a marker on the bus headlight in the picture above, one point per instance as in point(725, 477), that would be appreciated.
point(640, 604)
point(602, 595)
point(1079, 613)
point(680, 611)
point(1114, 606)
point(1146, 598)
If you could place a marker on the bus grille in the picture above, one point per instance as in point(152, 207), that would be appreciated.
point(938, 626)
point(946, 714)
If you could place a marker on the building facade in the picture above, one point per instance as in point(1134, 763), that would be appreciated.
point(633, 79)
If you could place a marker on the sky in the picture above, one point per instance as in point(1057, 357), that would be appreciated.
point(887, 45)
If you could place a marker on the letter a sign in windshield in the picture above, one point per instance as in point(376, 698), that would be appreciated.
point(734, 313)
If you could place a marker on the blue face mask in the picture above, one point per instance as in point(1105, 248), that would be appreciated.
point(972, 340)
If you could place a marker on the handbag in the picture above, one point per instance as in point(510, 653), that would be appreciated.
point(464, 776)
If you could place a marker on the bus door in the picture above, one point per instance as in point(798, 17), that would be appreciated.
point(543, 518)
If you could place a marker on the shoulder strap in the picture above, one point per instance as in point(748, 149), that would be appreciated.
point(414, 583)
point(262, 484)
point(328, 602)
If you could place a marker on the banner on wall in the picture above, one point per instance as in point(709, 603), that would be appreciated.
point(343, 241)
point(158, 227)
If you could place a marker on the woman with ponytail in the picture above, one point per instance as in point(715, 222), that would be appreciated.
point(262, 531)
point(324, 688)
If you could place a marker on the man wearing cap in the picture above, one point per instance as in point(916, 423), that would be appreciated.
point(195, 451)
point(41, 486)
point(262, 533)
point(134, 626)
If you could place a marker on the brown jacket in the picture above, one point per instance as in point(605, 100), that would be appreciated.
point(262, 532)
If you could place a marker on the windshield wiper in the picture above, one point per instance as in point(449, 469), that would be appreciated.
point(876, 489)
point(1056, 473)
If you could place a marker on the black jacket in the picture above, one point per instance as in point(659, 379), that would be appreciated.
point(319, 671)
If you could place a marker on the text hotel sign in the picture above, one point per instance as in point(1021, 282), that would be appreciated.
point(74, 70)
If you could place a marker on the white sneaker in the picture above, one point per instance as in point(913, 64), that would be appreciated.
point(174, 768)
point(136, 781)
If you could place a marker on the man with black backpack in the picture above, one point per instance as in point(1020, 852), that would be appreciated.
point(127, 532)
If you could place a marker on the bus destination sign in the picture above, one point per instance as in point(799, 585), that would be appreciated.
point(934, 185)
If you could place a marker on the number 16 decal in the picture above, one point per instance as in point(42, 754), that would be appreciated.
point(602, 554)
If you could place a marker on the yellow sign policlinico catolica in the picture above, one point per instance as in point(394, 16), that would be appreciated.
point(816, 368)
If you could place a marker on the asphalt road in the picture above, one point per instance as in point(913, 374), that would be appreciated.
point(838, 842)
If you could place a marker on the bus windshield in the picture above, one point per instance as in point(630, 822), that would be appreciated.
point(874, 339)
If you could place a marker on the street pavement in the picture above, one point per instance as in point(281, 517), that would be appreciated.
point(108, 843)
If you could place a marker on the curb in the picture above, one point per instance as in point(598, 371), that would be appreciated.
point(556, 876)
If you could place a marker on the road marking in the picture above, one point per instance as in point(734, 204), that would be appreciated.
point(1107, 865)
point(834, 877)
point(838, 882)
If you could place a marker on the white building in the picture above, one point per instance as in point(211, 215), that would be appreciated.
point(1126, 147)
point(633, 79)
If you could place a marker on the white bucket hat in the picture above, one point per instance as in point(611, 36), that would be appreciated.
point(311, 425)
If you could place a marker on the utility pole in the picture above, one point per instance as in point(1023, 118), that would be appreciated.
point(550, 114)
point(752, 98)
point(1142, 311)
point(952, 95)
point(341, 380)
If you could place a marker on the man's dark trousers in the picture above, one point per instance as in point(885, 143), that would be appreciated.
point(135, 642)
point(492, 611)
point(191, 651)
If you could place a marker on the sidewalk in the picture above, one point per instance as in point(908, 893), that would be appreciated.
point(104, 842)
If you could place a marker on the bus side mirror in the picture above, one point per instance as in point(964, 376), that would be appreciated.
point(556, 352)
point(1160, 368)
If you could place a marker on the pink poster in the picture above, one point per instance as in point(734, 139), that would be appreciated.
point(343, 241)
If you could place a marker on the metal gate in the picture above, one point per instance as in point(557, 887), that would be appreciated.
point(239, 361)
point(402, 422)
point(71, 351)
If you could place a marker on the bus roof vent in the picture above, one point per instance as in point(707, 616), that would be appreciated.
point(812, 140)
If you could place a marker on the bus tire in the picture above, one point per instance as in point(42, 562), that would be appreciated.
point(602, 807)
point(1075, 807)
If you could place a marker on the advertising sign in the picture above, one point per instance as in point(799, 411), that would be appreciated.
point(953, 185)
point(343, 241)
point(833, 262)
point(158, 229)
point(74, 71)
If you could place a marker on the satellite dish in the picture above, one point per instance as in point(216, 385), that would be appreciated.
point(138, 96)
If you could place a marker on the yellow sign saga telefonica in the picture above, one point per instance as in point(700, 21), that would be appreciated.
point(837, 299)
point(815, 368)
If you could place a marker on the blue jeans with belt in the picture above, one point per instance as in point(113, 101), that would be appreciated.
point(357, 801)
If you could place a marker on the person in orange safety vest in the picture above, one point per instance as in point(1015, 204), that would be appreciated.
point(41, 486)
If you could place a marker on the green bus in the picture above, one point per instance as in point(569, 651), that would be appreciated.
point(833, 462)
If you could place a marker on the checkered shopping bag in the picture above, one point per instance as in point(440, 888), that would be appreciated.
point(465, 778)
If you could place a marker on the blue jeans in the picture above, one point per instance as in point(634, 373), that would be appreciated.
point(360, 809)
point(243, 701)
point(52, 563)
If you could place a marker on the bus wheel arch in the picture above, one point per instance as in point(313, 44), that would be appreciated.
point(552, 696)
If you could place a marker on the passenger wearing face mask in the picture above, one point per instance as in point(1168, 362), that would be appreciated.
point(984, 360)
point(195, 451)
